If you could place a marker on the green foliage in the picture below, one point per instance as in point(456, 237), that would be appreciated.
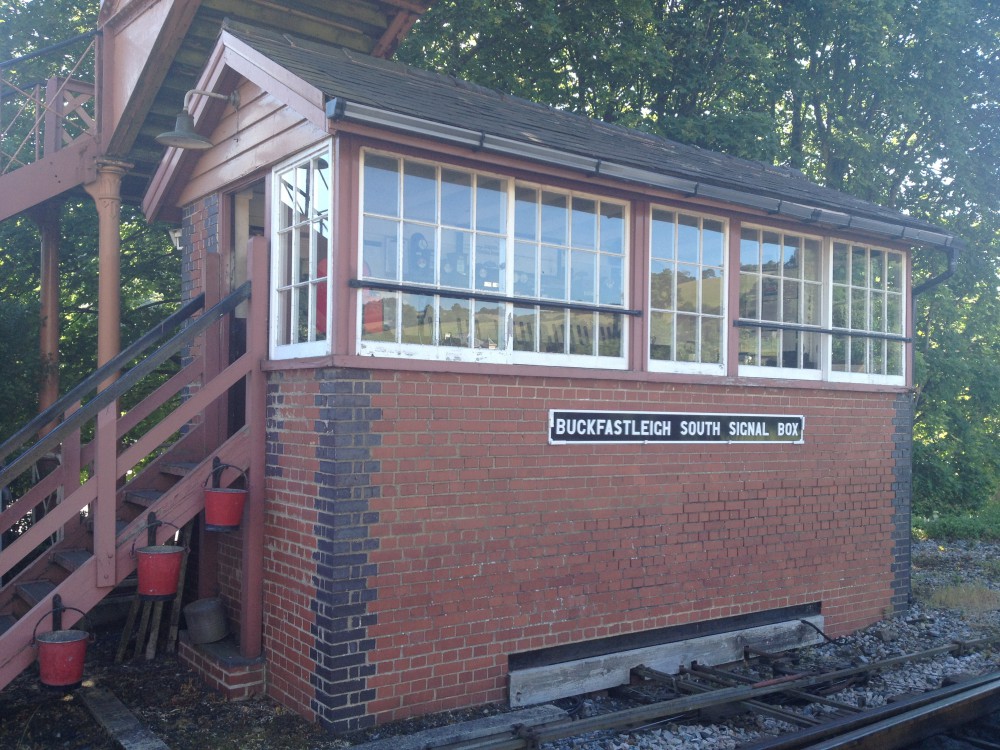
point(983, 525)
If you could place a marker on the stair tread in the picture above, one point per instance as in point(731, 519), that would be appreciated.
point(178, 468)
point(34, 591)
point(144, 498)
point(71, 559)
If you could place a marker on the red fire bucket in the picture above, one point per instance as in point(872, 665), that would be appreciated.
point(223, 506)
point(61, 654)
point(159, 571)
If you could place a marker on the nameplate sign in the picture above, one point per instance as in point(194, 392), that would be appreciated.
point(658, 427)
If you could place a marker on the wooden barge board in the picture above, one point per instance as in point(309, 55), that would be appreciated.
point(547, 683)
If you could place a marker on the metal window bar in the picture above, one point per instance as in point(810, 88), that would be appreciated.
point(768, 326)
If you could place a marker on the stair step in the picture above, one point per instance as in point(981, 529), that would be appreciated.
point(34, 591)
point(71, 559)
point(143, 498)
point(178, 468)
point(6, 621)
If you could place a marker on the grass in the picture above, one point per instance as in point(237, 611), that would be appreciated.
point(966, 597)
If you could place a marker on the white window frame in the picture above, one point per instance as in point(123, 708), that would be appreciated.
point(507, 354)
point(671, 365)
point(279, 323)
point(825, 372)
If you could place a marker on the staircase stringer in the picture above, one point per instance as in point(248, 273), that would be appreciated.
point(176, 508)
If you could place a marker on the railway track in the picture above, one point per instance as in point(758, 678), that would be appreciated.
point(962, 708)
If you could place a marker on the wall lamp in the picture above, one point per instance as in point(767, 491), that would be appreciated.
point(183, 135)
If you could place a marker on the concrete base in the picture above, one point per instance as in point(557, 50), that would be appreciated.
point(547, 683)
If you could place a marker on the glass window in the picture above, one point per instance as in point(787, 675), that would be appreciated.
point(300, 304)
point(686, 291)
point(510, 247)
point(780, 283)
point(868, 298)
point(809, 326)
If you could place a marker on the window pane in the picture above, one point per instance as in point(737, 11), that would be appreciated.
point(811, 344)
point(381, 185)
point(661, 336)
point(380, 249)
point(711, 340)
point(662, 285)
point(321, 188)
point(841, 262)
point(687, 338)
point(612, 228)
point(583, 266)
point(812, 304)
point(581, 327)
point(283, 334)
point(790, 302)
point(612, 276)
point(792, 261)
point(489, 326)
point(859, 309)
point(859, 348)
point(553, 263)
point(456, 252)
point(894, 358)
point(378, 315)
point(687, 288)
point(895, 272)
point(840, 319)
point(418, 254)
point(455, 328)
point(878, 357)
point(770, 343)
point(749, 250)
point(770, 298)
point(303, 269)
point(525, 270)
point(555, 218)
point(688, 239)
point(419, 191)
point(525, 328)
point(418, 319)
point(552, 330)
point(526, 214)
point(286, 200)
point(749, 346)
point(584, 229)
point(711, 291)
point(712, 241)
point(839, 356)
point(859, 266)
point(456, 199)
point(812, 261)
point(662, 244)
point(894, 313)
point(771, 253)
point(488, 277)
point(877, 265)
point(749, 295)
point(609, 335)
point(491, 205)
point(877, 311)
point(790, 349)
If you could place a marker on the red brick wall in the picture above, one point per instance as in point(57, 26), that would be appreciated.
point(450, 533)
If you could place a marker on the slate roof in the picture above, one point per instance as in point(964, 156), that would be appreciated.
point(396, 88)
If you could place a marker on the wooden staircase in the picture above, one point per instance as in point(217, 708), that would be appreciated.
point(80, 495)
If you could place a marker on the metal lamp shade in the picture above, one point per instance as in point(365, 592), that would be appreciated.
point(183, 135)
